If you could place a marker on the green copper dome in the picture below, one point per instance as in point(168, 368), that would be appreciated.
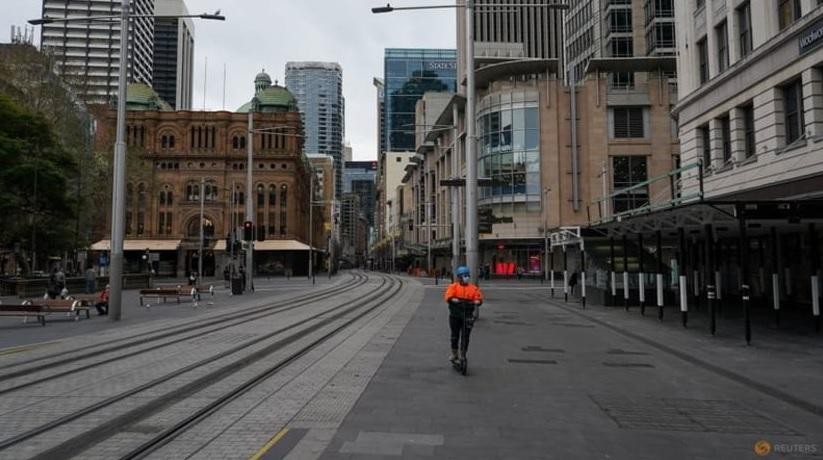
point(141, 97)
point(270, 98)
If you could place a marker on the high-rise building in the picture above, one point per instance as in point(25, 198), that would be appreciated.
point(173, 54)
point(381, 116)
point(514, 32)
point(618, 28)
point(88, 53)
point(408, 74)
point(359, 177)
point(318, 87)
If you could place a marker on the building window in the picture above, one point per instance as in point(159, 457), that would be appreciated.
point(284, 192)
point(703, 61)
point(788, 11)
point(629, 171)
point(726, 138)
point(620, 20)
point(722, 37)
point(622, 47)
point(748, 129)
point(261, 195)
point(705, 146)
point(699, 4)
point(628, 122)
point(744, 23)
point(793, 101)
point(622, 80)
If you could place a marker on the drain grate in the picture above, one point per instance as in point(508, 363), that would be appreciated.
point(532, 361)
point(628, 365)
point(536, 348)
point(698, 415)
point(618, 351)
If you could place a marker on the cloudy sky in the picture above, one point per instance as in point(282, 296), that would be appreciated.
point(268, 33)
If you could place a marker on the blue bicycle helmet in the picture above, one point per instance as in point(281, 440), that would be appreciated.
point(462, 271)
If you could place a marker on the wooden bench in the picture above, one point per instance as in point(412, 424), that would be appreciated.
point(71, 307)
point(162, 293)
point(89, 300)
point(26, 310)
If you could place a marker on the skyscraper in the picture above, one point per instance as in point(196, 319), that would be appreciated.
point(605, 28)
point(318, 88)
point(173, 54)
point(88, 53)
point(409, 73)
point(515, 32)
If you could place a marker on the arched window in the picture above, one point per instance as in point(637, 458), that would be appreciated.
point(272, 208)
point(242, 142)
point(169, 198)
point(284, 191)
point(235, 142)
point(141, 196)
point(171, 141)
point(164, 142)
point(129, 208)
point(162, 198)
point(193, 228)
point(261, 195)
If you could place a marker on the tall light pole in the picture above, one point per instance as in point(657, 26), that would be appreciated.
point(200, 251)
point(249, 208)
point(546, 232)
point(118, 192)
point(472, 235)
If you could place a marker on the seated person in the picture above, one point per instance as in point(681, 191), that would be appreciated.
point(102, 304)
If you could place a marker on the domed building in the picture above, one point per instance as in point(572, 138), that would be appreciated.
point(269, 98)
point(177, 158)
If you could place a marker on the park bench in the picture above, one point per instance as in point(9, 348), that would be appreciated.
point(162, 293)
point(26, 310)
point(88, 300)
point(71, 307)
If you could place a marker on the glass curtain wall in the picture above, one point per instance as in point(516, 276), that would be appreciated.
point(509, 151)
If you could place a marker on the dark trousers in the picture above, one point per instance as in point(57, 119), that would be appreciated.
point(456, 326)
point(102, 308)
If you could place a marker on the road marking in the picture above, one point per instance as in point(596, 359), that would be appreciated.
point(274, 440)
point(22, 348)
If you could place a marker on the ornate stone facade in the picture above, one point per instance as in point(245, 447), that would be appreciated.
point(171, 153)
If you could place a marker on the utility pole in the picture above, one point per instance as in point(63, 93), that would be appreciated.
point(249, 211)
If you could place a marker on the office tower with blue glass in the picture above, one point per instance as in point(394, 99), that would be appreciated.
point(408, 74)
point(318, 88)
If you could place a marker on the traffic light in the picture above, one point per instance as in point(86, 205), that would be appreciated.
point(248, 230)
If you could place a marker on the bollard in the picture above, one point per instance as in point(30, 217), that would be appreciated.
point(642, 283)
point(710, 298)
point(684, 301)
point(744, 291)
point(776, 298)
point(583, 288)
point(659, 286)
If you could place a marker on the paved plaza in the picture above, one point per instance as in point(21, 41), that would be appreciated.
point(546, 379)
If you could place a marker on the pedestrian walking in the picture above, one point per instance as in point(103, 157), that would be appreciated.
point(91, 280)
point(572, 282)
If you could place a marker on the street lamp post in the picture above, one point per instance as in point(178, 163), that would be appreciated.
point(118, 200)
point(546, 233)
point(200, 251)
point(472, 235)
point(249, 210)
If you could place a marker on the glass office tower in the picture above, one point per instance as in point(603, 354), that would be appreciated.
point(408, 73)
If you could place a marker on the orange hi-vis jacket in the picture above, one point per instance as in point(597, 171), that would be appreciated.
point(468, 292)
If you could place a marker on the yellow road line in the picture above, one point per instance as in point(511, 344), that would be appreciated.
point(274, 440)
point(22, 348)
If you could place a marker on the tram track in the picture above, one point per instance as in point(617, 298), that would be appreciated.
point(171, 433)
point(78, 443)
point(221, 322)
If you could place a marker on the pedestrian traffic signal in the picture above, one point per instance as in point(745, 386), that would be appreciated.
point(248, 230)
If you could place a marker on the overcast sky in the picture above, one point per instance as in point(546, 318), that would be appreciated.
point(268, 33)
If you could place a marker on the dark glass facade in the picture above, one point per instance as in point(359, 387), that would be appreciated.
point(409, 73)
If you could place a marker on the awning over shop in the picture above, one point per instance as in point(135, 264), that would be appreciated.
point(270, 245)
point(139, 245)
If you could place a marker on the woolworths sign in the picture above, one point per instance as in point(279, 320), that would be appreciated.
point(811, 37)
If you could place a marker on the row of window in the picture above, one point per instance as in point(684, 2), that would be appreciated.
point(793, 122)
point(202, 137)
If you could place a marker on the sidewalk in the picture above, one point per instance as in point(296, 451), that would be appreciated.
point(548, 380)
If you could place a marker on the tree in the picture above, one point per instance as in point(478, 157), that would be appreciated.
point(34, 198)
